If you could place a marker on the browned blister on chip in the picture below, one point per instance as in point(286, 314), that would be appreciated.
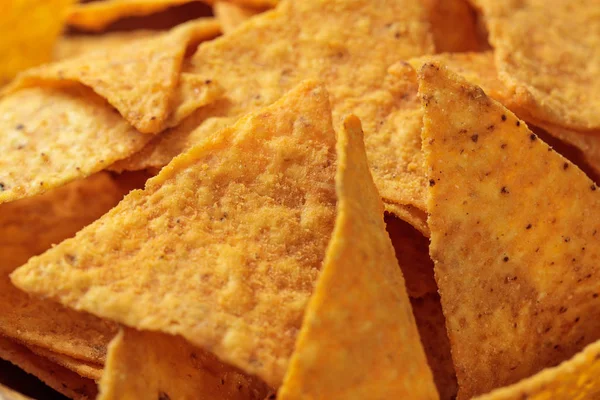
point(412, 252)
point(359, 338)
point(140, 79)
point(231, 15)
point(549, 52)
point(29, 227)
point(432, 329)
point(453, 24)
point(97, 15)
point(352, 53)
point(57, 377)
point(154, 365)
point(514, 230)
point(576, 378)
point(232, 233)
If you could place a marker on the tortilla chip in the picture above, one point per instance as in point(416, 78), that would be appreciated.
point(97, 15)
point(414, 216)
point(71, 46)
point(139, 80)
point(552, 61)
point(232, 233)
point(9, 394)
point(153, 365)
point(412, 252)
point(453, 25)
point(29, 227)
point(352, 52)
point(432, 329)
point(230, 15)
point(29, 29)
point(80, 367)
point(359, 338)
point(58, 378)
point(513, 228)
point(576, 378)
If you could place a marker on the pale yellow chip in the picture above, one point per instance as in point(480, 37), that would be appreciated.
point(28, 29)
point(154, 365)
point(359, 338)
point(550, 54)
point(9, 394)
point(232, 234)
point(412, 252)
point(576, 378)
point(29, 227)
point(231, 15)
point(432, 329)
point(97, 15)
point(82, 368)
point(453, 24)
point(352, 53)
point(139, 80)
point(514, 230)
point(57, 377)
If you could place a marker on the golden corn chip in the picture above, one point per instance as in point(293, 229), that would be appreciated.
point(358, 339)
point(97, 15)
point(576, 378)
point(412, 252)
point(231, 15)
point(453, 25)
point(411, 214)
point(29, 227)
point(29, 29)
point(57, 377)
point(71, 46)
point(549, 53)
point(432, 329)
point(154, 365)
point(513, 237)
point(232, 233)
point(82, 368)
point(139, 80)
point(361, 40)
point(9, 394)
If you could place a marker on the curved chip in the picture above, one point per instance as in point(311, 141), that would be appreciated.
point(231, 15)
point(80, 367)
point(514, 230)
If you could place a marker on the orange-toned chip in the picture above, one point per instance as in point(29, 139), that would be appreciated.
point(231, 15)
point(57, 377)
point(453, 25)
point(352, 52)
point(154, 365)
point(232, 233)
point(550, 54)
point(28, 29)
point(513, 235)
point(82, 368)
point(359, 338)
point(140, 80)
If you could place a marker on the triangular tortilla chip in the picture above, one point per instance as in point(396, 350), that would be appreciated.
point(358, 338)
point(139, 80)
point(453, 25)
point(232, 234)
point(31, 226)
point(352, 52)
point(95, 16)
point(80, 367)
point(576, 378)
point(231, 15)
point(514, 230)
point(432, 329)
point(412, 252)
point(58, 378)
point(550, 53)
point(153, 365)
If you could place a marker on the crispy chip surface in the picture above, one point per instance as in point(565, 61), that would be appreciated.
point(140, 80)
point(358, 339)
point(154, 365)
point(352, 52)
point(28, 227)
point(29, 29)
point(550, 53)
point(576, 378)
point(232, 233)
point(57, 377)
point(513, 237)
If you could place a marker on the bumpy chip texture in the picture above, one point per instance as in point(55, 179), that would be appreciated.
point(232, 233)
point(514, 230)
